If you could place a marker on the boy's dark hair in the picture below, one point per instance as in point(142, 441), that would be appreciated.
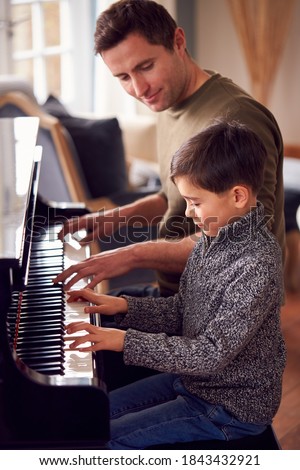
point(221, 156)
point(145, 17)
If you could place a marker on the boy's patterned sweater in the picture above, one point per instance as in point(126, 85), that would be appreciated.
point(221, 333)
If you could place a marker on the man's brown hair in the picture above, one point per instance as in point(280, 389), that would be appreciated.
point(144, 17)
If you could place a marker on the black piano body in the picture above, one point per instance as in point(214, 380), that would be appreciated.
point(38, 410)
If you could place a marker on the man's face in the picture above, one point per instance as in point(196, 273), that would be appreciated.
point(150, 73)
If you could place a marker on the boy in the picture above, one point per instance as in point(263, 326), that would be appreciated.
point(217, 341)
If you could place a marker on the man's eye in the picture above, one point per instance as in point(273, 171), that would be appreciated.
point(147, 67)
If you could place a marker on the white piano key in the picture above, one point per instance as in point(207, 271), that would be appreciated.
point(77, 364)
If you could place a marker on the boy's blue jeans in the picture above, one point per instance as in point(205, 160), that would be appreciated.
point(159, 409)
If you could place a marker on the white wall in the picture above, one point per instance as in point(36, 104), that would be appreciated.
point(218, 49)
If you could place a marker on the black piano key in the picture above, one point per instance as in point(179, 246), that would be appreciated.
point(41, 254)
point(44, 291)
point(38, 294)
point(43, 323)
point(37, 352)
point(38, 291)
point(49, 348)
point(45, 269)
point(40, 359)
point(42, 354)
point(47, 314)
point(46, 262)
point(58, 370)
point(44, 272)
point(40, 342)
point(39, 332)
point(58, 327)
point(40, 282)
point(36, 304)
point(46, 246)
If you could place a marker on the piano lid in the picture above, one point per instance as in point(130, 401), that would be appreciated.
point(17, 156)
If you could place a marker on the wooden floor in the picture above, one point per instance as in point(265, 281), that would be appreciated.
point(287, 420)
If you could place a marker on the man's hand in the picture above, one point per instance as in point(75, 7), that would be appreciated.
point(147, 210)
point(109, 264)
point(106, 265)
point(109, 339)
point(97, 225)
point(159, 255)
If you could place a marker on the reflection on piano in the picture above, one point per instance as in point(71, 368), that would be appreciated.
point(49, 397)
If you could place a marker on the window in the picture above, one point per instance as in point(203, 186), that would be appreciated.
point(41, 45)
point(50, 44)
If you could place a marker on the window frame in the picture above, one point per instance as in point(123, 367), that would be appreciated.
point(76, 55)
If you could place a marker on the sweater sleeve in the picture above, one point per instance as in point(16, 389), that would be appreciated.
point(239, 317)
point(153, 315)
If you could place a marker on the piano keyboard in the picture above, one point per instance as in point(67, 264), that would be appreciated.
point(37, 316)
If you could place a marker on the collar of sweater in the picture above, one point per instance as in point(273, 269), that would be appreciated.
point(241, 229)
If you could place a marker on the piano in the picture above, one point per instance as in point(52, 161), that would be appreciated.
point(50, 398)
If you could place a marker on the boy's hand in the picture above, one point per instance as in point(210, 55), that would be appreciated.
point(109, 339)
point(105, 304)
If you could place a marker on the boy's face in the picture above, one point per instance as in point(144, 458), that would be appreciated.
point(150, 73)
point(209, 211)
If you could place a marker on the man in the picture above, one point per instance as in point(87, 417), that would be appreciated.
point(146, 51)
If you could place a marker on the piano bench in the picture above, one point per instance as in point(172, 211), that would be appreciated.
point(264, 441)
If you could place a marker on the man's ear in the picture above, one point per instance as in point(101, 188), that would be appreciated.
point(241, 196)
point(179, 40)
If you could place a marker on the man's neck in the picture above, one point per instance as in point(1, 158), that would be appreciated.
point(197, 77)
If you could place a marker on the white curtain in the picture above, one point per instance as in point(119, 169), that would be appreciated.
point(109, 97)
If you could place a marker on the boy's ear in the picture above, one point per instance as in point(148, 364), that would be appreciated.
point(241, 196)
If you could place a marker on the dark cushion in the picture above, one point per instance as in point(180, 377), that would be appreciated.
point(100, 149)
point(53, 106)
